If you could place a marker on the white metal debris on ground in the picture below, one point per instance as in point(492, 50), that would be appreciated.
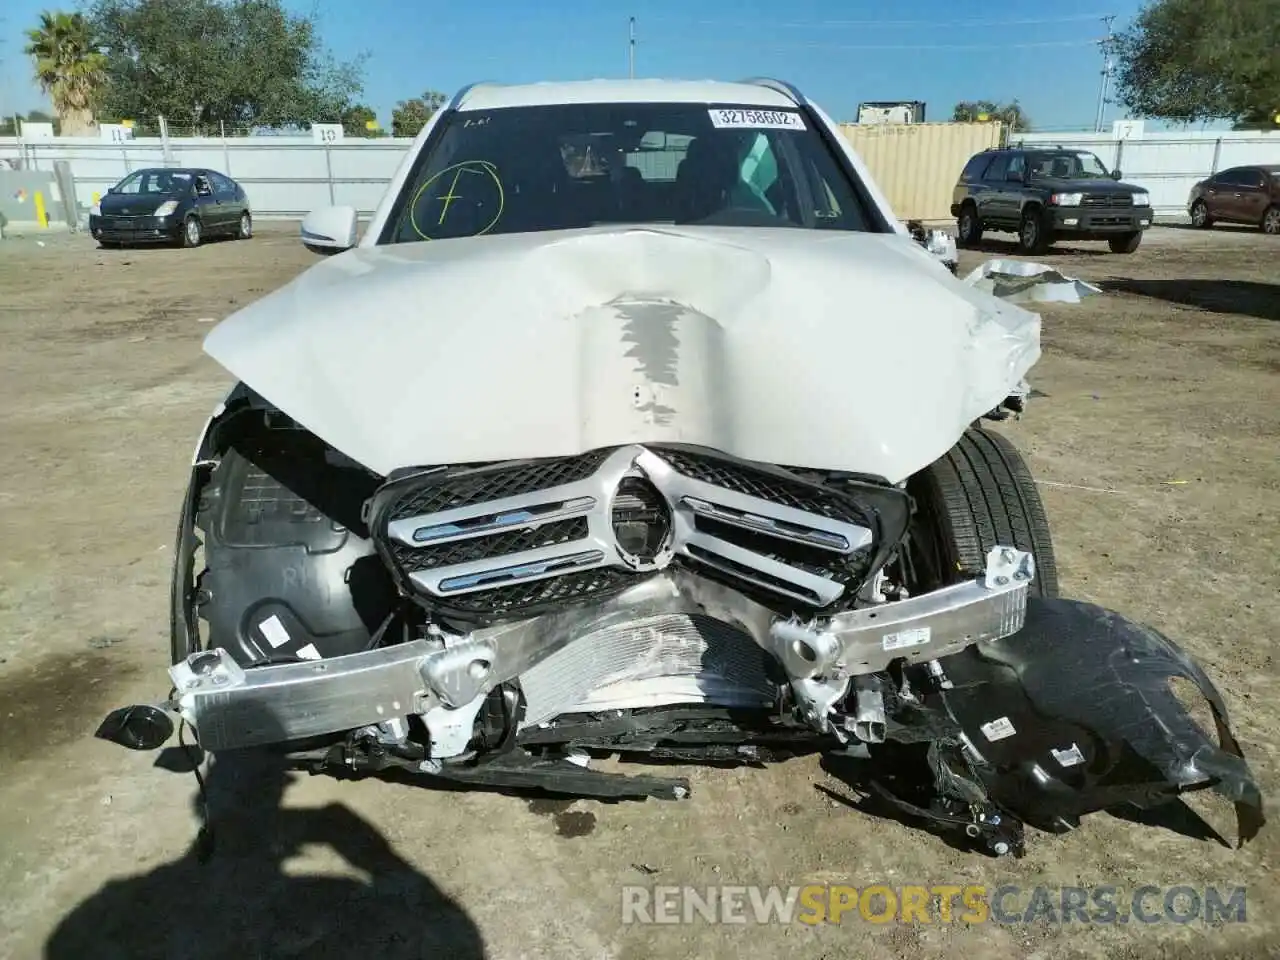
point(1018, 281)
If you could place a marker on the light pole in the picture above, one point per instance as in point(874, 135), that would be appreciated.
point(631, 48)
point(1107, 65)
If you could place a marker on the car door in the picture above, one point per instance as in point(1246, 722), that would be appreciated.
point(1012, 191)
point(1252, 195)
point(229, 207)
point(206, 204)
point(1219, 195)
point(989, 193)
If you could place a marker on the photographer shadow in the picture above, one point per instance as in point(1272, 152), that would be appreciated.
point(239, 902)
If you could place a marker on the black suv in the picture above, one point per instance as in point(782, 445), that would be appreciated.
point(1045, 194)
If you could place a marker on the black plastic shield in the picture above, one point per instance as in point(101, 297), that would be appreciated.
point(1076, 713)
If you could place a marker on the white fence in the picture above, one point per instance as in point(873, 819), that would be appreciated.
point(284, 176)
point(287, 176)
point(1167, 164)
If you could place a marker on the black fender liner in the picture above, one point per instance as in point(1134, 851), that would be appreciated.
point(1076, 713)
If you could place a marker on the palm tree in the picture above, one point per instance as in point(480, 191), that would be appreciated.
point(69, 68)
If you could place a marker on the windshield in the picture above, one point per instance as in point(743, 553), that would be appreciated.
point(527, 169)
point(155, 183)
point(1068, 165)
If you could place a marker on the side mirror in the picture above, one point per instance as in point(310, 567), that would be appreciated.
point(112, 189)
point(1116, 175)
point(329, 230)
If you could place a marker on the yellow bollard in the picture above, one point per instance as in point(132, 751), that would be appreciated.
point(41, 215)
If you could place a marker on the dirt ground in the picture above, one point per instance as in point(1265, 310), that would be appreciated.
point(1157, 440)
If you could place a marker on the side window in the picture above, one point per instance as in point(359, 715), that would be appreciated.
point(1017, 168)
point(203, 187)
point(1228, 178)
point(133, 186)
point(973, 169)
point(998, 167)
point(1255, 178)
point(223, 186)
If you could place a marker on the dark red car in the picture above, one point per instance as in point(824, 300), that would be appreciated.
point(1238, 195)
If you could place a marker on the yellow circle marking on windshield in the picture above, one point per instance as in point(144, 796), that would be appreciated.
point(458, 179)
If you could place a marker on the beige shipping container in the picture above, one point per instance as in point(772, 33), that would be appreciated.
point(917, 165)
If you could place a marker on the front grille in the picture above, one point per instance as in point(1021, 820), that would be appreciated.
point(752, 482)
point(515, 538)
point(725, 569)
point(527, 598)
point(484, 484)
point(1107, 200)
point(483, 548)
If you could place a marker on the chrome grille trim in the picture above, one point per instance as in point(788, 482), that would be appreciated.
point(594, 498)
point(465, 523)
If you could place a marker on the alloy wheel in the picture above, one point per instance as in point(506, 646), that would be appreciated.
point(1030, 233)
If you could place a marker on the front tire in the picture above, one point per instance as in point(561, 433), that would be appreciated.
point(245, 230)
point(1034, 235)
point(1200, 215)
point(191, 232)
point(1126, 243)
point(979, 495)
point(1271, 220)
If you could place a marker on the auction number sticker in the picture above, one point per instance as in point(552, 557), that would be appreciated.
point(756, 119)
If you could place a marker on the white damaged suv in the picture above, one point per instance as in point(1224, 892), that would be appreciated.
point(637, 424)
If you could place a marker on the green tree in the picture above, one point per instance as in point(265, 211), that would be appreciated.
point(1010, 114)
point(205, 62)
point(410, 116)
point(355, 120)
point(68, 67)
point(1202, 60)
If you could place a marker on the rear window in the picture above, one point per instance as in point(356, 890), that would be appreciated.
point(530, 169)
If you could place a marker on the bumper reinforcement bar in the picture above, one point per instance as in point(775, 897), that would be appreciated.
point(232, 707)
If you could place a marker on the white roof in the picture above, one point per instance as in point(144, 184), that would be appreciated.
point(490, 96)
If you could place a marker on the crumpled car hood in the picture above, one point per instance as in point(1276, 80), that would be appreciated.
point(843, 351)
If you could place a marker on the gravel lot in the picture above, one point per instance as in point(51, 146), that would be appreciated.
point(1157, 440)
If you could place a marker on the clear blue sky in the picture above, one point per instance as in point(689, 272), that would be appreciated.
point(839, 51)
